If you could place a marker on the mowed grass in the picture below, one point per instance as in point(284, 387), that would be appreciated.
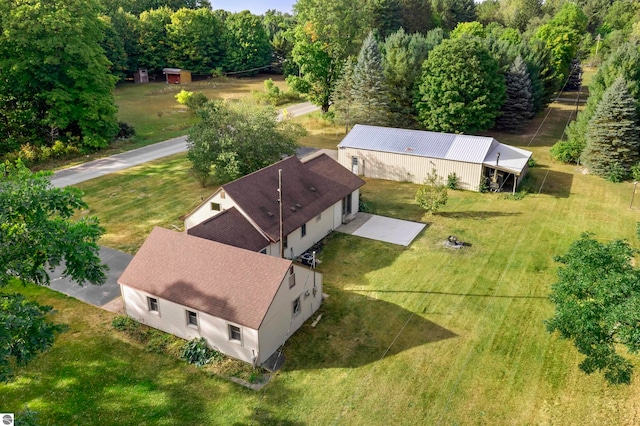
point(417, 335)
point(156, 115)
point(129, 203)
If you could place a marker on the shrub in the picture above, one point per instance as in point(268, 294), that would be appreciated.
point(616, 173)
point(452, 181)
point(197, 101)
point(27, 417)
point(484, 184)
point(635, 172)
point(532, 162)
point(566, 151)
point(183, 97)
point(198, 352)
point(124, 323)
point(58, 149)
point(125, 130)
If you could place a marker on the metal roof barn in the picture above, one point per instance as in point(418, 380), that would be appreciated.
point(410, 155)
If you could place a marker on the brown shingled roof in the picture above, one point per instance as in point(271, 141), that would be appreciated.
point(308, 189)
point(231, 227)
point(227, 282)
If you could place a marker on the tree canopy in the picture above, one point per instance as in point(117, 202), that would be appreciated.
point(597, 305)
point(37, 231)
point(54, 76)
point(461, 88)
point(237, 139)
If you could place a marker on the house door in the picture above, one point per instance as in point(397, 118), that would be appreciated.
point(354, 165)
point(346, 205)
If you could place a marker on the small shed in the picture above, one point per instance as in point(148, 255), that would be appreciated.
point(410, 155)
point(177, 75)
point(141, 76)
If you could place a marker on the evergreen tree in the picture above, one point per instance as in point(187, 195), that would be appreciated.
point(518, 106)
point(384, 16)
point(613, 134)
point(370, 90)
point(403, 56)
point(343, 96)
point(626, 62)
point(416, 16)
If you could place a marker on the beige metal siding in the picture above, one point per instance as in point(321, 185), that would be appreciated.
point(411, 168)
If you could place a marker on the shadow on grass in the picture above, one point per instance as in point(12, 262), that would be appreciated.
point(500, 296)
point(264, 416)
point(474, 215)
point(554, 183)
point(102, 381)
point(356, 330)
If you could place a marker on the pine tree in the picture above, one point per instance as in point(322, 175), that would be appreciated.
point(342, 96)
point(370, 90)
point(518, 106)
point(613, 134)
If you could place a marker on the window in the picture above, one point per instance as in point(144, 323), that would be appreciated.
point(215, 206)
point(192, 319)
point(263, 251)
point(319, 217)
point(234, 333)
point(223, 195)
point(303, 230)
point(285, 242)
point(292, 277)
point(152, 303)
point(296, 307)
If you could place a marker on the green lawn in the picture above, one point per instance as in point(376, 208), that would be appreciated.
point(417, 335)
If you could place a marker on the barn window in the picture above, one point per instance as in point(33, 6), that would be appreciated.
point(303, 230)
point(152, 304)
point(215, 207)
point(192, 319)
point(223, 195)
point(234, 333)
point(318, 217)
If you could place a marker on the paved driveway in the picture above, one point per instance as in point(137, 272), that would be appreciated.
point(381, 228)
point(94, 294)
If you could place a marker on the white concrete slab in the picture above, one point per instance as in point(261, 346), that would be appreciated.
point(394, 231)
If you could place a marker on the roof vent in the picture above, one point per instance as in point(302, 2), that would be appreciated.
point(298, 206)
point(293, 209)
point(313, 189)
point(410, 149)
point(269, 214)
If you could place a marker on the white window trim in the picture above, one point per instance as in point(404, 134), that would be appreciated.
point(239, 342)
point(157, 311)
point(197, 324)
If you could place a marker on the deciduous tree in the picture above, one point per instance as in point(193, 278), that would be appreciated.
point(24, 331)
point(246, 43)
point(597, 305)
point(54, 71)
point(37, 231)
point(237, 139)
point(195, 38)
point(433, 193)
point(461, 88)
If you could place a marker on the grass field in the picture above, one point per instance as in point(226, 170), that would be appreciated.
point(156, 115)
point(417, 335)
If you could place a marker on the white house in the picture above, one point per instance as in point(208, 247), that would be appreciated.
point(317, 196)
point(409, 155)
point(245, 304)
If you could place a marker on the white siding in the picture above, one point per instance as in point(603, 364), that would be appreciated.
point(410, 168)
point(280, 323)
point(172, 318)
point(204, 212)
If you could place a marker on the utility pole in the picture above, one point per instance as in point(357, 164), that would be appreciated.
point(598, 39)
point(634, 193)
